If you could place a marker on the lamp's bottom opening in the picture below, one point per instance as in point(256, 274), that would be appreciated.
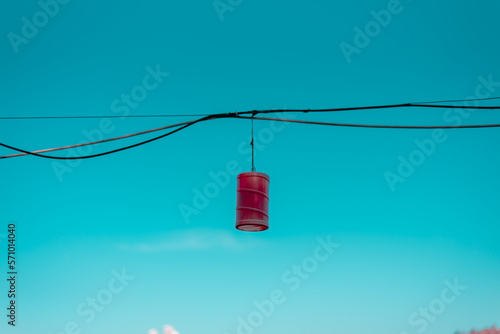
point(252, 227)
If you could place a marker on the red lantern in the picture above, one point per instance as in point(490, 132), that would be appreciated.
point(252, 208)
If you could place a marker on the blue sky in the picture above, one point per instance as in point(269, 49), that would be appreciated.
point(103, 246)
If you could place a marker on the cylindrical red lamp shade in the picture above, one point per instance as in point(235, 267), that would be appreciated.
point(252, 207)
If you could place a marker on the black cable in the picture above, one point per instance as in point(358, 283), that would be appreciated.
point(234, 115)
point(98, 141)
point(479, 99)
point(112, 151)
point(255, 112)
point(113, 116)
point(373, 126)
point(415, 104)
point(387, 106)
point(95, 155)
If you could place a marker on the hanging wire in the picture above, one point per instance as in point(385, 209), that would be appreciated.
point(98, 116)
point(427, 104)
point(112, 151)
point(25, 152)
point(468, 100)
point(99, 141)
point(255, 112)
point(376, 126)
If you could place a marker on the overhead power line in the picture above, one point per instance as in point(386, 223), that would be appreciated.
point(240, 115)
point(101, 116)
point(99, 141)
point(414, 104)
point(416, 127)
point(449, 101)
point(108, 152)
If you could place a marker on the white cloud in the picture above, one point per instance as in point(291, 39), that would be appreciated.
point(195, 239)
point(167, 329)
